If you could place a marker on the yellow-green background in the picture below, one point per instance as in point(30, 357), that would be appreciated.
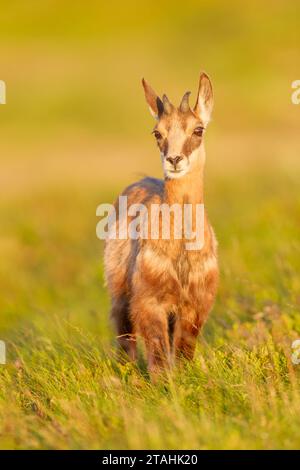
point(75, 130)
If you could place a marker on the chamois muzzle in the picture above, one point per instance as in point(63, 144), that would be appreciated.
point(174, 160)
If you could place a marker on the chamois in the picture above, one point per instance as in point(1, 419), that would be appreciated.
point(160, 290)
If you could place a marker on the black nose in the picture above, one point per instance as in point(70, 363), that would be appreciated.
point(175, 160)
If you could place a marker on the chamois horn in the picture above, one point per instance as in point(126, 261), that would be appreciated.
point(184, 105)
point(168, 107)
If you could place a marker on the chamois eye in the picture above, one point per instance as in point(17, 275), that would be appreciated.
point(198, 131)
point(157, 135)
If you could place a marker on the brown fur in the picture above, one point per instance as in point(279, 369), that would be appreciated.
point(160, 290)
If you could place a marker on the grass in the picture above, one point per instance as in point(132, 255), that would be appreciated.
point(74, 132)
point(62, 387)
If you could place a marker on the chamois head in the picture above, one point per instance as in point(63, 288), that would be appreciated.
point(179, 131)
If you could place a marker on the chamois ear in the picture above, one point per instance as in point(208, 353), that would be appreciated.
point(204, 103)
point(155, 103)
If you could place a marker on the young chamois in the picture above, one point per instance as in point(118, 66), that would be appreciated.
point(159, 289)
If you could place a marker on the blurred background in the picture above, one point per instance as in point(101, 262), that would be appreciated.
point(76, 130)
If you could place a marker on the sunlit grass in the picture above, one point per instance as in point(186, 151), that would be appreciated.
point(62, 387)
point(75, 130)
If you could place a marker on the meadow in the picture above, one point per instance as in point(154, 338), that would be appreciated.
point(74, 132)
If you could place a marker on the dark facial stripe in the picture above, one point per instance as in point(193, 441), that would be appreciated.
point(191, 144)
point(164, 147)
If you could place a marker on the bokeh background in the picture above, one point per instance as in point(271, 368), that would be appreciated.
point(76, 130)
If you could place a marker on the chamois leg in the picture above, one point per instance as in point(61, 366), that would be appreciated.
point(190, 322)
point(123, 324)
point(152, 325)
point(185, 338)
point(171, 333)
